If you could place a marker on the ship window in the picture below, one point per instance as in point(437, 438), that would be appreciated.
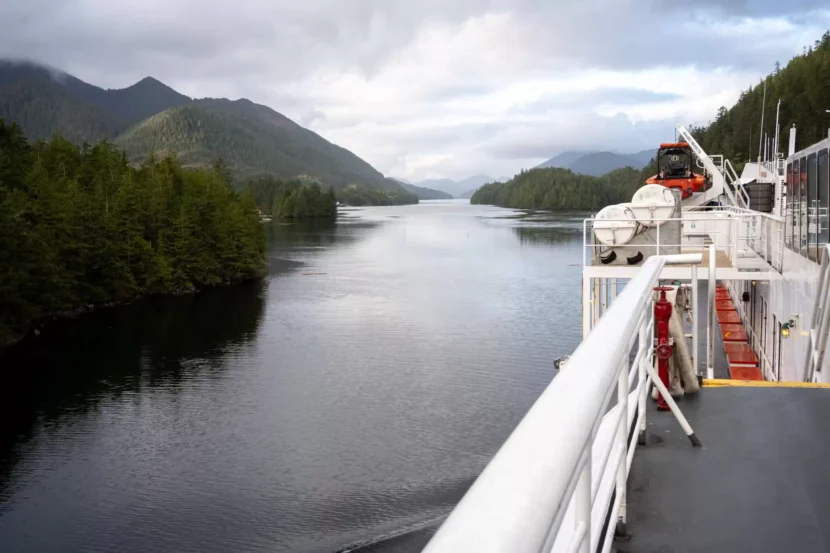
point(812, 207)
point(796, 206)
point(823, 199)
point(802, 202)
point(789, 206)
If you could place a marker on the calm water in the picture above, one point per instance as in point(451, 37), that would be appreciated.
point(350, 397)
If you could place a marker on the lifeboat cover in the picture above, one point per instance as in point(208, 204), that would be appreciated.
point(652, 204)
point(615, 225)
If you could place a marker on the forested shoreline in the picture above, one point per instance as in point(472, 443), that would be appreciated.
point(292, 199)
point(359, 195)
point(556, 188)
point(81, 227)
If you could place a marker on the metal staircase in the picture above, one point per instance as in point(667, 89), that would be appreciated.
point(725, 180)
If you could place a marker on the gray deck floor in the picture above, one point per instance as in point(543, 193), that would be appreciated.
point(761, 482)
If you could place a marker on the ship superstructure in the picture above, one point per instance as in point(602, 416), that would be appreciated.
point(739, 464)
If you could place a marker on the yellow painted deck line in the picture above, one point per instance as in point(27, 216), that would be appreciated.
point(725, 383)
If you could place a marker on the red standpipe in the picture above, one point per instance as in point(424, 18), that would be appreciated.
point(662, 314)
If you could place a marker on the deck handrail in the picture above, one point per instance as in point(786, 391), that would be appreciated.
point(747, 230)
point(733, 180)
point(544, 469)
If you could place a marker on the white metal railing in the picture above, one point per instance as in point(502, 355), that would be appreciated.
point(724, 237)
point(819, 322)
point(734, 181)
point(713, 166)
point(600, 292)
point(734, 231)
point(773, 169)
point(725, 179)
point(550, 486)
point(730, 170)
point(764, 234)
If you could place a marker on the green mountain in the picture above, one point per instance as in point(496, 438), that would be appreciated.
point(598, 163)
point(803, 87)
point(123, 106)
point(562, 160)
point(144, 99)
point(314, 155)
point(151, 118)
point(644, 157)
point(199, 134)
point(41, 107)
point(252, 140)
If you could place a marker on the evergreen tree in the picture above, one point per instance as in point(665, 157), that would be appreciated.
point(556, 188)
point(80, 226)
point(803, 87)
point(292, 199)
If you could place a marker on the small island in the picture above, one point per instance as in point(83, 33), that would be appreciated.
point(556, 188)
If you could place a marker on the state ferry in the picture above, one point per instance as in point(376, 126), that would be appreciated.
point(708, 293)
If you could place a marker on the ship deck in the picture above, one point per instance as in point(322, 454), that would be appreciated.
point(759, 483)
point(748, 266)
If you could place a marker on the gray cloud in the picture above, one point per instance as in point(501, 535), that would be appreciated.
point(434, 88)
point(191, 38)
point(611, 95)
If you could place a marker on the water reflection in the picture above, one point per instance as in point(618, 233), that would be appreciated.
point(314, 233)
point(348, 400)
point(76, 364)
point(548, 235)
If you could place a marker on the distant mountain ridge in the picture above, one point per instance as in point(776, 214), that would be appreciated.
point(564, 159)
point(149, 117)
point(598, 163)
point(40, 109)
point(457, 189)
point(126, 105)
point(424, 193)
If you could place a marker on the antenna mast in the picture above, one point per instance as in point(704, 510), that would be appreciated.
point(761, 138)
point(777, 127)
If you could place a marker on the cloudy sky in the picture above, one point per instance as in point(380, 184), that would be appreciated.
point(435, 88)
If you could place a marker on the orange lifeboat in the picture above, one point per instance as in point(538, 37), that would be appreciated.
point(674, 163)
